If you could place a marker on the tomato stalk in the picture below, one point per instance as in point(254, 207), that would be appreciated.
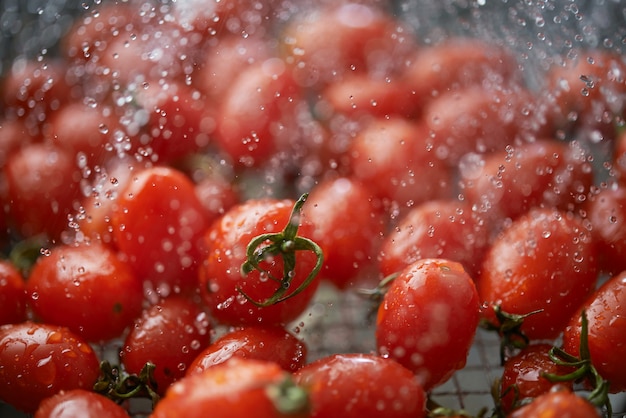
point(284, 244)
point(119, 386)
point(288, 397)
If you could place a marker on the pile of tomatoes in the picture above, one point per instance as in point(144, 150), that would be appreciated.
point(180, 180)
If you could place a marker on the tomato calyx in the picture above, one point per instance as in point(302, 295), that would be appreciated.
point(120, 386)
point(26, 252)
point(377, 294)
point(585, 370)
point(288, 398)
point(283, 244)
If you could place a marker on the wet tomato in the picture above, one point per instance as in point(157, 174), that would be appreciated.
point(239, 388)
point(12, 294)
point(39, 360)
point(79, 402)
point(254, 342)
point(357, 385)
point(545, 264)
point(99, 293)
point(428, 318)
point(558, 403)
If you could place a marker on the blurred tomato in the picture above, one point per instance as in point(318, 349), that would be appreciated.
point(12, 294)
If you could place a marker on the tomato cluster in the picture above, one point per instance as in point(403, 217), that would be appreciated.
point(183, 179)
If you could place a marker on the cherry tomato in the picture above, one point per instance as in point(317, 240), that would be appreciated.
point(358, 385)
point(99, 293)
point(164, 253)
point(254, 342)
point(558, 403)
point(428, 318)
point(169, 334)
point(606, 337)
point(79, 402)
point(619, 157)
point(12, 294)
point(239, 388)
point(447, 229)
point(545, 264)
point(221, 281)
point(522, 378)
point(39, 360)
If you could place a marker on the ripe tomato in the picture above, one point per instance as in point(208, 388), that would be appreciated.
point(358, 385)
point(428, 318)
point(39, 360)
point(239, 388)
point(545, 261)
point(558, 403)
point(605, 310)
point(522, 378)
point(350, 245)
point(165, 253)
point(254, 342)
point(12, 294)
point(221, 281)
point(169, 334)
point(447, 229)
point(99, 293)
point(79, 403)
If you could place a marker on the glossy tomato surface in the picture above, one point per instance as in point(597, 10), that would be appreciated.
point(79, 403)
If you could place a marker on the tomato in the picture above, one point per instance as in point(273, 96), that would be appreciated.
point(12, 294)
point(619, 157)
point(606, 324)
point(221, 281)
point(166, 253)
point(522, 378)
point(545, 261)
point(357, 385)
point(447, 229)
point(236, 389)
point(169, 334)
point(39, 360)
point(79, 402)
point(545, 172)
point(558, 403)
point(606, 211)
point(99, 294)
point(217, 196)
point(350, 245)
point(428, 318)
point(394, 159)
point(254, 342)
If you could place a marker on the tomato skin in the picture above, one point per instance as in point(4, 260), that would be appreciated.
point(79, 402)
point(226, 242)
point(39, 360)
point(165, 253)
point(169, 334)
point(12, 294)
point(605, 310)
point(357, 385)
point(558, 403)
point(436, 229)
point(235, 389)
point(428, 318)
point(99, 293)
point(545, 260)
point(253, 342)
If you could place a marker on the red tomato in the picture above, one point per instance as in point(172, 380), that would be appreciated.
point(522, 378)
point(447, 229)
point(39, 360)
point(12, 294)
point(545, 173)
point(254, 342)
point(545, 261)
point(165, 253)
point(393, 157)
point(79, 403)
point(239, 388)
point(558, 403)
point(221, 277)
point(606, 316)
point(361, 385)
point(99, 294)
point(350, 245)
point(428, 318)
point(606, 211)
point(619, 157)
point(169, 334)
